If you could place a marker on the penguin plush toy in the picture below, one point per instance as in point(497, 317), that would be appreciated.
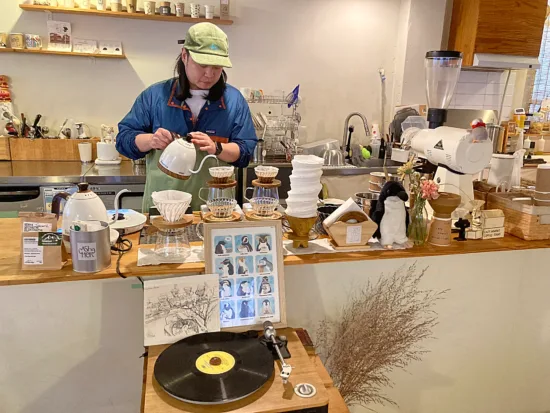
point(391, 215)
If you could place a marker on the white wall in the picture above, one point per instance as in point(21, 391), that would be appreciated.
point(484, 90)
point(333, 49)
point(491, 352)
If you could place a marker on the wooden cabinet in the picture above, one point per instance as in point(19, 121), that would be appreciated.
point(505, 27)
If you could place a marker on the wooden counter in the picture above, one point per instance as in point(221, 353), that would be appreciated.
point(11, 274)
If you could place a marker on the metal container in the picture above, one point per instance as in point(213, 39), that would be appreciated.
point(367, 201)
point(494, 132)
point(259, 152)
point(91, 250)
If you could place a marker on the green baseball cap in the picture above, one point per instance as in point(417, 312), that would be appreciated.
point(208, 45)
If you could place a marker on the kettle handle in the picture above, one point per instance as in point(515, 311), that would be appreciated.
point(56, 202)
point(200, 191)
point(202, 163)
point(117, 196)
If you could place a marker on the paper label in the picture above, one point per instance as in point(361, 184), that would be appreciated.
point(49, 239)
point(87, 251)
point(37, 227)
point(353, 234)
point(33, 254)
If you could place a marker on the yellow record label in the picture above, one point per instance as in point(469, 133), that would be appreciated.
point(215, 362)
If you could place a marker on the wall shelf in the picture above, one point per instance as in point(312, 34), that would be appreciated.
point(53, 52)
point(123, 14)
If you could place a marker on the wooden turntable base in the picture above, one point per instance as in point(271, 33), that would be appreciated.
point(273, 397)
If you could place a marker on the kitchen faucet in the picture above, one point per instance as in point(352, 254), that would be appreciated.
point(347, 146)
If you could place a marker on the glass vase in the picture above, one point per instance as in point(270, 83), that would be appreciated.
point(418, 222)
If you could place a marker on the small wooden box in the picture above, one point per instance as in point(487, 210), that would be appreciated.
point(492, 218)
point(352, 236)
point(5, 154)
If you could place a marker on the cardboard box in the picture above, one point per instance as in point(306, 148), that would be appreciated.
point(493, 233)
point(492, 218)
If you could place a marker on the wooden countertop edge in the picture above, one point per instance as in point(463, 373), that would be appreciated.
point(10, 273)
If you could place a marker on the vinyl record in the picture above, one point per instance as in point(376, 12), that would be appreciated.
point(214, 368)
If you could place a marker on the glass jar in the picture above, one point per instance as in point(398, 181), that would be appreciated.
point(172, 244)
point(264, 200)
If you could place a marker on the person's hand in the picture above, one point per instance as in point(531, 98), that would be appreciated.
point(203, 141)
point(161, 139)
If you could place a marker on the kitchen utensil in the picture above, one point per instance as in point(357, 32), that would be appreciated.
point(172, 243)
point(180, 9)
point(221, 207)
point(300, 230)
point(259, 152)
point(209, 11)
point(85, 151)
point(91, 250)
point(266, 174)
point(106, 149)
point(333, 157)
point(149, 7)
point(195, 10)
point(17, 41)
point(221, 174)
point(100, 4)
point(367, 201)
point(171, 204)
point(494, 132)
point(83, 205)
point(323, 213)
point(116, 5)
point(179, 157)
point(81, 130)
point(33, 41)
point(217, 193)
point(264, 207)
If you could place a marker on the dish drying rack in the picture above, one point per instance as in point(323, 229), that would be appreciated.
point(279, 132)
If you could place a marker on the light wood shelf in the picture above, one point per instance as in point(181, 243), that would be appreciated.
point(123, 14)
point(53, 52)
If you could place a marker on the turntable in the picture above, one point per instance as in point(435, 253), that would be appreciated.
point(230, 374)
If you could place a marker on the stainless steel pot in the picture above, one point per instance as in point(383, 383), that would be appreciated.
point(333, 157)
point(367, 201)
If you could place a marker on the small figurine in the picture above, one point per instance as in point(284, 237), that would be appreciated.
point(391, 215)
point(462, 224)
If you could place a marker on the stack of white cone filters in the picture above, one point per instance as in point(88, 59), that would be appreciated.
point(305, 185)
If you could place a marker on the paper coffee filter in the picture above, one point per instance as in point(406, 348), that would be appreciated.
point(171, 204)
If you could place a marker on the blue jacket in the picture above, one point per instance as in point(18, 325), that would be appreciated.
point(226, 120)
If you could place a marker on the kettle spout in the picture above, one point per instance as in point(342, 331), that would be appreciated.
point(202, 163)
point(111, 222)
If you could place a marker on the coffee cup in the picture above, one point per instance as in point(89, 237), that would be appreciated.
point(149, 7)
point(209, 11)
point(107, 151)
point(116, 5)
point(101, 5)
point(195, 10)
point(543, 178)
point(85, 151)
point(180, 9)
point(131, 6)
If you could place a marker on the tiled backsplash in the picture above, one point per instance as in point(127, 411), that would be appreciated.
point(484, 90)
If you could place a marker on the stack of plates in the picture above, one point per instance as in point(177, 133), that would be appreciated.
point(305, 185)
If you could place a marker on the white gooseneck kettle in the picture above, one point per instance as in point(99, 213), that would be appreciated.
point(84, 205)
point(179, 157)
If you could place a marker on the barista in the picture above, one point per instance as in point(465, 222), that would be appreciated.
point(198, 101)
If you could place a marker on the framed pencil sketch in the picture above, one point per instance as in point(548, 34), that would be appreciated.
point(248, 258)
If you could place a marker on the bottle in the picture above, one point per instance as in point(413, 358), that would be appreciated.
point(375, 142)
point(382, 151)
point(527, 143)
point(519, 144)
point(539, 146)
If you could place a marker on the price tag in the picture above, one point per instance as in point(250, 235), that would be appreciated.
point(353, 234)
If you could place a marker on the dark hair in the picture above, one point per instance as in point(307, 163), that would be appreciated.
point(214, 94)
